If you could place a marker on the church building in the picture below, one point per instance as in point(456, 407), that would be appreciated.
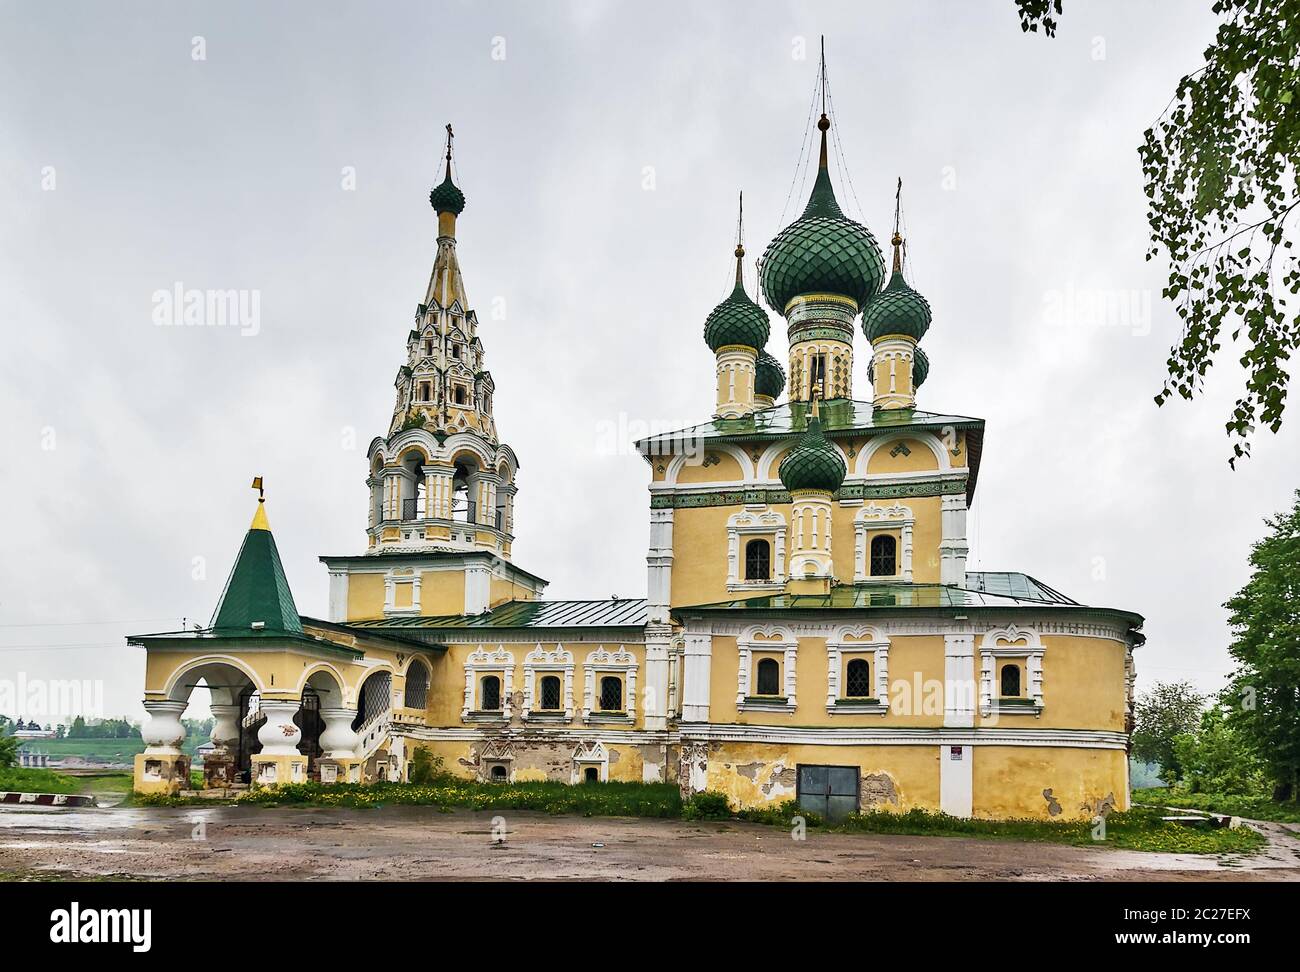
point(811, 631)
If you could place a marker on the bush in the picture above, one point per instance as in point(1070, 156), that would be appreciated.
point(707, 805)
point(781, 815)
point(8, 750)
point(1217, 758)
point(425, 767)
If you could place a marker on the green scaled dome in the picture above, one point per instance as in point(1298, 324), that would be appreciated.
point(898, 309)
point(822, 252)
point(770, 380)
point(446, 197)
point(920, 368)
point(737, 320)
point(814, 463)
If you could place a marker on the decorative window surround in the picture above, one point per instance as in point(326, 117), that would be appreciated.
point(1032, 654)
point(873, 518)
point(755, 520)
point(617, 662)
point(558, 662)
point(484, 662)
point(401, 575)
point(859, 640)
point(765, 638)
point(590, 754)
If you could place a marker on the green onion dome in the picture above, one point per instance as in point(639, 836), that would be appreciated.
point(920, 368)
point(737, 320)
point(446, 197)
point(823, 251)
point(814, 463)
point(770, 380)
point(898, 309)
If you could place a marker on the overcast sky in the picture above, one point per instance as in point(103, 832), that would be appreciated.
point(288, 149)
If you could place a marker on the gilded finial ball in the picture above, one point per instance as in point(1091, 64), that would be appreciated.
point(896, 240)
point(740, 251)
point(823, 123)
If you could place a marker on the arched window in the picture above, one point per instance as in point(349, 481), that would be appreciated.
point(758, 560)
point(1010, 681)
point(591, 775)
point(884, 556)
point(550, 692)
point(499, 774)
point(857, 679)
point(417, 686)
point(489, 698)
point(611, 693)
point(769, 677)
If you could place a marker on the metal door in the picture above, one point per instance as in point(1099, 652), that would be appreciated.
point(829, 791)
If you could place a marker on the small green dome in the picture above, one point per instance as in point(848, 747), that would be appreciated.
point(737, 320)
point(920, 368)
point(770, 380)
point(898, 309)
point(446, 197)
point(822, 252)
point(814, 463)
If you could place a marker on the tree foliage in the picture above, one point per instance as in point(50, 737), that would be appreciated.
point(8, 750)
point(1168, 710)
point(1218, 758)
point(1264, 694)
point(1219, 165)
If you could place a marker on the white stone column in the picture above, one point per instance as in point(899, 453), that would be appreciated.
point(655, 704)
point(659, 564)
point(225, 727)
point(953, 545)
point(338, 740)
point(278, 734)
point(960, 690)
point(698, 656)
point(163, 733)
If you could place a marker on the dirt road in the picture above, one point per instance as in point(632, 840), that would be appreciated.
point(416, 843)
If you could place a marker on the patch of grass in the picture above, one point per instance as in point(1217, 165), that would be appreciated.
point(1138, 829)
point(708, 805)
point(584, 799)
point(37, 781)
point(1255, 807)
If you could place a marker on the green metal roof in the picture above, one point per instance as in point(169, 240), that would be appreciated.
point(840, 418)
point(1014, 584)
point(607, 613)
point(814, 463)
point(737, 321)
point(446, 197)
point(886, 597)
point(898, 309)
point(770, 377)
point(257, 590)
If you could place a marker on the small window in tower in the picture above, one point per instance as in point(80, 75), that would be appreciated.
point(817, 373)
point(611, 694)
point(857, 679)
point(455, 350)
point(758, 560)
point(884, 556)
point(428, 348)
point(1010, 681)
point(769, 677)
point(551, 692)
point(460, 395)
point(424, 391)
point(490, 693)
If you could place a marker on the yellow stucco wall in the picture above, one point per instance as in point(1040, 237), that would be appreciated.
point(1009, 780)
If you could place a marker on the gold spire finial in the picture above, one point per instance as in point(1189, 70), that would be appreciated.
point(740, 240)
point(823, 123)
point(260, 521)
point(897, 238)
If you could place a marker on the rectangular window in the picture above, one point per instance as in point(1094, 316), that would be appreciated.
point(817, 373)
point(611, 694)
point(424, 391)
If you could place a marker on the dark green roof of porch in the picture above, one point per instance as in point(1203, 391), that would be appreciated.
point(257, 590)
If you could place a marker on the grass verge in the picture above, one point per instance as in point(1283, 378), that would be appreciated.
point(37, 781)
point(1258, 807)
point(1138, 829)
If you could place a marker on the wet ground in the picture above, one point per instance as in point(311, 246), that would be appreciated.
point(417, 843)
